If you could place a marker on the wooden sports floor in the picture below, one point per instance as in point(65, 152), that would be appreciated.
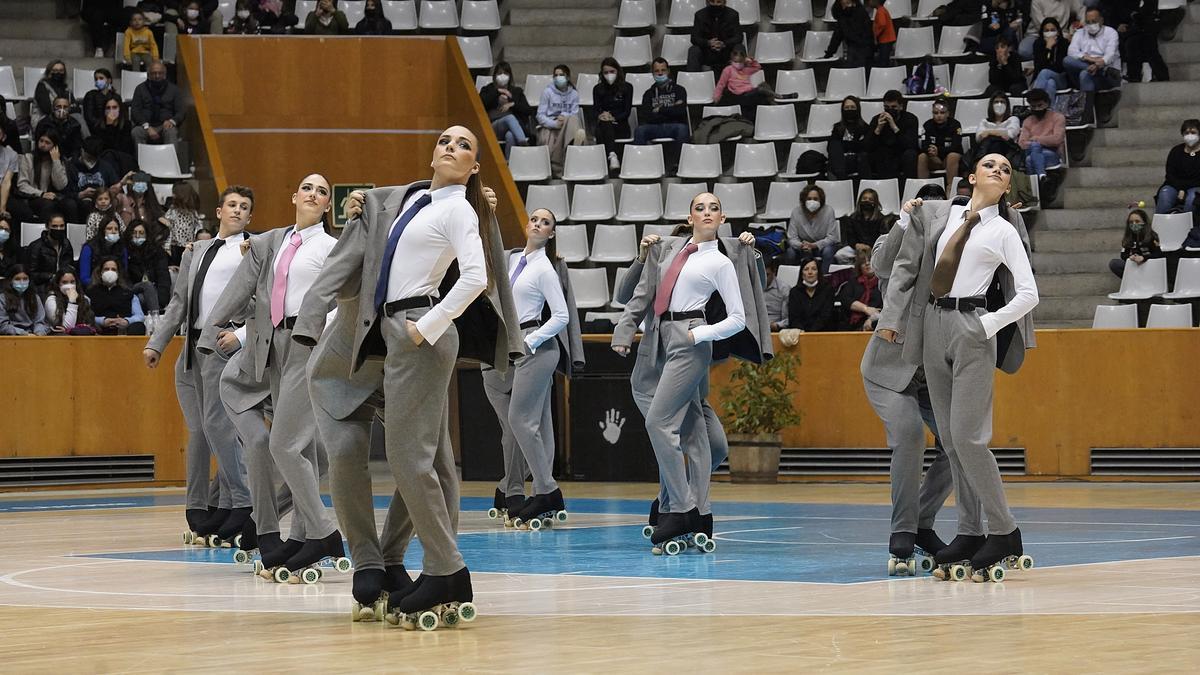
point(99, 582)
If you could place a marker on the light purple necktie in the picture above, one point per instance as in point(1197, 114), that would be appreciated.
point(512, 280)
point(279, 287)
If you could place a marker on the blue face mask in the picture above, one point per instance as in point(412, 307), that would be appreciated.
point(138, 241)
point(662, 79)
point(560, 81)
point(140, 187)
point(102, 84)
point(3, 236)
point(112, 238)
point(20, 286)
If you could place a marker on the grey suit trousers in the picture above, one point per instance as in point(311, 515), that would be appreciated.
point(269, 495)
point(684, 462)
point(528, 409)
point(960, 363)
point(915, 503)
point(293, 439)
point(210, 433)
point(498, 389)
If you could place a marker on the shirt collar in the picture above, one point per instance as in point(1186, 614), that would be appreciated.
point(307, 233)
point(704, 246)
point(986, 213)
point(535, 255)
point(232, 237)
point(448, 192)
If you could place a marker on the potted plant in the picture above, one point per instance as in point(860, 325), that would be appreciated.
point(757, 406)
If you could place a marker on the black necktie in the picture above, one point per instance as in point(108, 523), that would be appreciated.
point(197, 286)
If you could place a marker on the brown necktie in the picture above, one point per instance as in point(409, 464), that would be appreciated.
point(947, 265)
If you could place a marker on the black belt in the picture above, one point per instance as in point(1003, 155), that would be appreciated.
point(530, 324)
point(961, 304)
point(393, 308)
point(682, 316)
point(288, 322)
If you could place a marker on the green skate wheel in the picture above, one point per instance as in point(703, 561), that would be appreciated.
point(535, 524)
point(673, 548)
point(310, 576)
point(282, 575)
point(241, 557)
point(428, 621)
point(710, 546)
point(342, 565)
point(1025, 562)
point(493, 513)
point(466, 612)
point(561, 516)
point(647, 531)
point(891, 567)
point(996, 574)
point(450, 618)
point(926, 564)
point(958, 572)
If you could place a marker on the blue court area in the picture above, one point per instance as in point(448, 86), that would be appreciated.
point(815, 543)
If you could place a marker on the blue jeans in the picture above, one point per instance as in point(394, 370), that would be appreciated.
point(509, 130)
point(1077, 70)
point(1038, 158)
point(676, 131)
point(1050, 81)
point(1168, 197)
point(794, 256)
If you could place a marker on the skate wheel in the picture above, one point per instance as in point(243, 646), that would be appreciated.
point(241, 557)
point(561, 516)
point(673, 548)
point(428, 621)
point(996, 574)
point(493, 513)
point(237, 541)
point(709, 546)
point(450, 618)
point(187, 537)
point(1025, 562)
point(700, 539)
point(925, 563)
point(281, 575)
point(467, 612)
point(910, 567)
point(535, 524)
point(258, 566)
point(342, 565)
point(361, 613)
point(517, 523)
point(891, 567)
point(958, 572)
point(647, 531)
point(212, 541)
point(392, 619)
point(310, 576)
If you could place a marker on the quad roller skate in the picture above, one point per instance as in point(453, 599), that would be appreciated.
point(703, 539)
point(305, 564)
point(229, 531)
point(652, 521)
point(676, 531)
point(207, 529)
point(497, 510)
point(953, 563)
point(908, 556)
point(195, 518)
point(434, 601)
point(274, 553)
point(513, 506)
point(246, 542)
point(374, 590)
point(999, 552)
point(542, 511)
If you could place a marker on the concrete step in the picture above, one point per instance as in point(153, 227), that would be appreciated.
point(1183, 52)
point(1115, 177)
point(1077, 241)
point(1184, 71)
point(1070, 263)
point(65, 29)
point(1067, 307)
point(1147, 116)
point(26, 9)
point(1137, 138)
point(1114, 197)
point(575, 18)
point(612, 5)
point(562, 54)
point(1053, 220)
point(44, 48)
point(1083, 283)
point(579, 35)
point(1118, 156)
point(1176, 92)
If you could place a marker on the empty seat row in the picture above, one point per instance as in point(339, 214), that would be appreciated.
point(638, 203)
point(610, 243)
point(476, 15)
point(1160, 316)
point(1149, 280)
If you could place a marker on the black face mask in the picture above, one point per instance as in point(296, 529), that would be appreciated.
point(866, 207)
point(58, 235)
point(157, 86)
point(849, 115)
point(58, 78)
point(1039, 113)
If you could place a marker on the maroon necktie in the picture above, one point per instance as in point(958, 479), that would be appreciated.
point(663, 299)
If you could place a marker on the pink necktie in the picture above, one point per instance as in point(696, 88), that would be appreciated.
point(662, 300)
point(279, 288)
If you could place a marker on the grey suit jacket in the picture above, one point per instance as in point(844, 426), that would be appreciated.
point(753, 343)
point(883, 362)
point(333, 382)
point(241, 390)
point(908, 289)
point(488, 329)
point(177, 309)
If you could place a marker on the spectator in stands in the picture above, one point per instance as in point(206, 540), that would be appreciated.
point(68, 310)
point(326, 20)
point(775, 296)
point(848, 141)
point(106, 244)
point(810, 303)
point(21, 310)
point(272, 17)
point(373, 21)
point(736, 87)
point(506, 106)
point(1139, 244)
point(116, 133)
point(1182, 181)
point(202, 233)
point(158, 108)
point(716, 30)
point(105, 209)
point(941, 145)
point(812, 230)
point(853, 27)
point(53, 85)
point(931, 192)
point(612, 101)
point(91, 175)
point(94, 100)
point(10, 248)
point(664, 109)
point(892, 142)
point(140, 47)
point(244, 22)
point(190, 21)
point(10, 133)
point(1005, 19)
point(49, 252)
point(999, 132)
point(183, 219)
point(1042, 135)
point(1139, 39)
point(1049, 52)
point(70, 132)
point(118, 311)
point(1093, 59)
point(859, 296)
point(1067, 15)
point(558, 117)
point(10, 164)
point(103, 18)
point(137, 201)
point(43, 183)
point(884, 31)
point(147, 268)
point(861, 228)
point(1004, 72)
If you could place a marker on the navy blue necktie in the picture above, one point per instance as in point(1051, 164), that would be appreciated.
point(385, 271)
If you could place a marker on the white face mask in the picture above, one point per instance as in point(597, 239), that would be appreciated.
point(809, 284)
point(812, 205)
point(501, 80)
point(67, 288)
point(1048, 34)
point(610, 77)
point(1094, 28)
point(243, 14)
point(326, 20)
point(998, 108)
point(193, 14)
point(1191, 139)
point(109, 277)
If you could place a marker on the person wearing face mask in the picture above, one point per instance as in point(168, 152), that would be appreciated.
point(941, 145)
point(106, 244)
point(812, 230)
point(1094, 59)
point(1182, 182)
point(244, 22)
point(506, 107)
point(847, 141)
point(91, 175)
point(558, 118)
point(49, 252)
point(1066, 14)
point(116, 132)
point(53, 85)
point(190, 20)
point(158, 108)
point(612, 101)
point(95, 100)
point(373, 21)
point(138, 201)
point(854, 27)
point(104, 210)
point(810, 302)
point(663, 113)
point(1139, 243)
point(997, 133)
point(118, 311)
point(1004, 70)
point(1042, 136)
point(147, 267)
point(326, 19)
point(43, 182)
point(1049, 51)
point(21, 310)
point(10, 249)
point(716, 29)
point(861, 228)
point(70, 132)
point(141, 49)
point(893, 139)
point(68, 309)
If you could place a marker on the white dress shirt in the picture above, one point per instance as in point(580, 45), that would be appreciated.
point(224, 264)
point(70, 314)
point(705, 271)
point(446, 229)
point(306, 264)
point(537, 286)
point(993, 242)
point(1105, 45)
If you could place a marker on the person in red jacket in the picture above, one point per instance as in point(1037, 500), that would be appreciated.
point(885, 32)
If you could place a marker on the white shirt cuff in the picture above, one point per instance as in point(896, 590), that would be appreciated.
point(432, 325)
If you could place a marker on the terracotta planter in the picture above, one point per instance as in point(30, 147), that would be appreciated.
point(754, 458)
